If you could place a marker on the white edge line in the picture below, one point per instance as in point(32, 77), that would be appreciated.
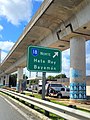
point(16, 108)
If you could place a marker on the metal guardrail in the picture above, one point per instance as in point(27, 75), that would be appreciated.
point(62, 111)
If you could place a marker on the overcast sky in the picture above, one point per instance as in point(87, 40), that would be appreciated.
point(14, 16)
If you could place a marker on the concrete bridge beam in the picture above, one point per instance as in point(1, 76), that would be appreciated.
point(1, 80)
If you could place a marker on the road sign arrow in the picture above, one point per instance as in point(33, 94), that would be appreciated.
point(55, 54)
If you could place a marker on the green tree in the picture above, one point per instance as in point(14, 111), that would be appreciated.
point(25, 76)
point(12, 80)
point(60, 76)
point(51, 77)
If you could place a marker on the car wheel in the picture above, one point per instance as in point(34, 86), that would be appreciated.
point(40, 91)
point(49, 95)
point(59, 96)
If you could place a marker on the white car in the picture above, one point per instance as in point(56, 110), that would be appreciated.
point(64, 92)
point(29, 89)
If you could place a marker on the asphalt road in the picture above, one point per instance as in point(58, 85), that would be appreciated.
point(8, 112)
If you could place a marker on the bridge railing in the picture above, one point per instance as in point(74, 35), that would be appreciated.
point(62, 111)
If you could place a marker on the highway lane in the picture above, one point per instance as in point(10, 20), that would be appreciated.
point(8, 112)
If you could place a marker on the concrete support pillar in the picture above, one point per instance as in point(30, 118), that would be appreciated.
point(19, 79)
point(1, 81)
point(7, 80)
point(77, 68)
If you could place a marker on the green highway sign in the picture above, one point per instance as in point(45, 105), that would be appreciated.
point(43, 59)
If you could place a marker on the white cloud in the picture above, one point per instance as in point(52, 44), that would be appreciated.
point(3, 55)
point(6, 45)
point(88, 47)
point(16, 11)
point(87, 72)
point(66, 62)
point(1, 27)
point(88, 58)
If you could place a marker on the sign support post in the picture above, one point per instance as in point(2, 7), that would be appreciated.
point(43, 84)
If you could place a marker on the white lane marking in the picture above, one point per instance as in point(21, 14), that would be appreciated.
point(16, 108)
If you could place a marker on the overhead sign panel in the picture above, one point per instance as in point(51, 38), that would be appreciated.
point(43, 59)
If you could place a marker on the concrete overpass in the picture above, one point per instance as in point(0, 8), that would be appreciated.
point(58, 24)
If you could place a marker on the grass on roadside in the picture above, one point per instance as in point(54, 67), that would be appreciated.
point(51, 115)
